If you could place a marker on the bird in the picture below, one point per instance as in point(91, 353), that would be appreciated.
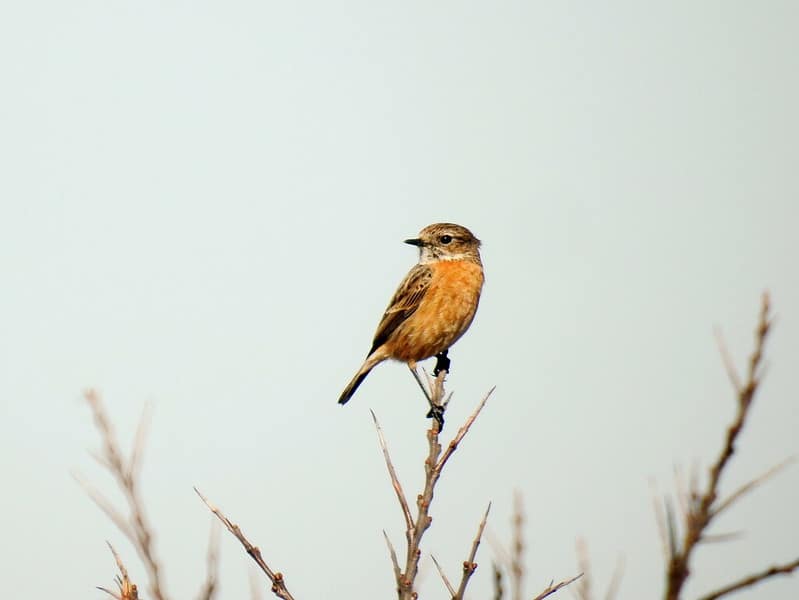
point(433, 306)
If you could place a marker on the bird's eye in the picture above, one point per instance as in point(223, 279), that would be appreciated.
point(446, 239)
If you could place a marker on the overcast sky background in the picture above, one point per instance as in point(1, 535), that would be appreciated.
point(202, 207)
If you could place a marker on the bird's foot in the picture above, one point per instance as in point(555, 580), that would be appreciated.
point(442, 363)
point(437, 412)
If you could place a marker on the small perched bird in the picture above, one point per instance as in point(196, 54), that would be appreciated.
point(433, 306)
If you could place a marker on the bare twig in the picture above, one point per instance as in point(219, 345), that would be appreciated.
point(704, 506)
point(255, 585)
point(433, 465)
point(126, 589)
point(444, 578)
point(469, 566)
point(406, 511)
point(660, 519)
point(498, 589)
point(729, 364)
point(210, 588)
point(551, 589)
point(105, 505)
point(453, 445)
point(278, 583)
point(138, 442)
point(751, 580)
point(615, 581)
point(135, 526)
point(517, 548)
point(583, 588)
point(748, 487)
point(394, 561)
point(418, 379)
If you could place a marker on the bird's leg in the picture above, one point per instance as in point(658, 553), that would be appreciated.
point(435, 395)
point(437, 402)
point(442, 363)
point(437, 412)
point(418, 379)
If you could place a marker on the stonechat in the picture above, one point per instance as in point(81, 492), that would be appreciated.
point(433, 306)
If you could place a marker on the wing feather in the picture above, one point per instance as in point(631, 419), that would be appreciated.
point(406, 300)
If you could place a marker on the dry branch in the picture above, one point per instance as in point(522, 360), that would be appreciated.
point(517, 547)
point(406, 511)
point(126, 589)
point(551, 589)
point(135, 525)
point(278, 583)
point(444, 578)
point(499, 591)
point(210, 588)
point(704, 506)
point(434, 463)
point(751, 580)
point(469, 566)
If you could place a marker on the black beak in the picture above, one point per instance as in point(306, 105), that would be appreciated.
point(415, 242)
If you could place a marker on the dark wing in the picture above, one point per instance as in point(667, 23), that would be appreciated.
point(404, 303)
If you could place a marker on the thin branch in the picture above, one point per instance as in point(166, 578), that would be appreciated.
point(748, 487)
point(105, 505)
point(660, 519)
point(127, 590)
point(394, 561)
point(751, 580)
point(255, 585)
point(498, 589)
point(517, 547)
point(418, 379)
point(134, 465)
point(433, 465)
point(615, 581)
point(551, 589)
point(135, 527)
point(406, 511)
point(583, 589)
point(718, 538)
point(444, 578)
point(729, 364)
point(703, 507)
point(210, 588)
point(278, 583)
point(469, 566)
point(453, 445)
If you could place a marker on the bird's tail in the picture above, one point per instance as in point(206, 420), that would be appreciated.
point(371, 361)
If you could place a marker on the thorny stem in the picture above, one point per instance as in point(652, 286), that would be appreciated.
point(433, 465)
point(702, 510)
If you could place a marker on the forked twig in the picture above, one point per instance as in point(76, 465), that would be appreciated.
point(434, 463)
point(444, 578)
point(705, 506)
point(751, 580)
point(499, 591)
point(749, 486)
point(395, 483)
point(453, 445)
point(135, 526)
point(517, 547)
point(278, 582)
point(126, 589)
point(469, 566)
point(551, 589)
point(393, 554)
point(209, 588)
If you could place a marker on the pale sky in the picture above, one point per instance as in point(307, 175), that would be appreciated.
point(203, 205)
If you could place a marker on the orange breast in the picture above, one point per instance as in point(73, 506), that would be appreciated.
point(444, 314)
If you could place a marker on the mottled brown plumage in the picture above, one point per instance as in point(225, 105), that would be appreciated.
point(433, 306)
